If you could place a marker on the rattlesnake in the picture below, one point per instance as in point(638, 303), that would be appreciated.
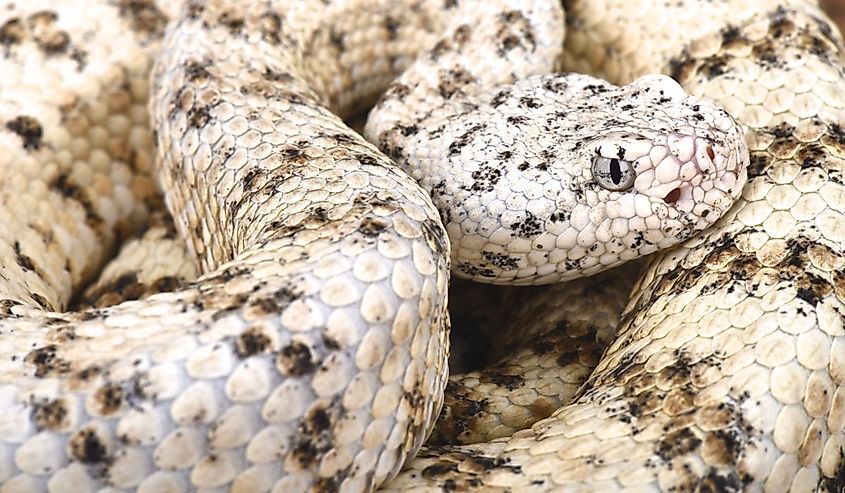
point(235, 402)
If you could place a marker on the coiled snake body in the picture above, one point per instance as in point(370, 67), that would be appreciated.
point(308, 355)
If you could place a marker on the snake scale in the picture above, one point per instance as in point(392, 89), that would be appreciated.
point(305, 355)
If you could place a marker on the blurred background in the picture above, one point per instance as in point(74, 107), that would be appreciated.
point(836, 9)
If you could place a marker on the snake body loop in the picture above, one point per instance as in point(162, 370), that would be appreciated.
point(726, 373)
point(305, 346)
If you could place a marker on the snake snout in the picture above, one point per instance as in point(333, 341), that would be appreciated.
point(693, 174)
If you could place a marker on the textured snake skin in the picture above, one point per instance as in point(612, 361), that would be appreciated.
point(726, 374)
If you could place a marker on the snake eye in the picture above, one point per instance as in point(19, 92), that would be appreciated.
point(613, 174)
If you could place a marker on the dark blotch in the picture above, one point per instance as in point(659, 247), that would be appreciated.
point(296, 360)
point(29, 129)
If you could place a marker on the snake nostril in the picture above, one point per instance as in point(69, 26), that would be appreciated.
point(710, 153)
point(672, 196)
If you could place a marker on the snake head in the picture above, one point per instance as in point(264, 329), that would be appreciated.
point(671, 165)
point(564, 175)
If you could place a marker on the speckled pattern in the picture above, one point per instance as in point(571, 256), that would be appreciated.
point(307, 351)
point(510, 164)
point(726, 374)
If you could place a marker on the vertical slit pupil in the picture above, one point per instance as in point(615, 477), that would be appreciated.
point(615, 171)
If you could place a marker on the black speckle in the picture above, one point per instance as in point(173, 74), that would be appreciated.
point(28, 128)
point(500, 97)
point(475, 271)
point(144, 16)
point(391, 25)
point(24, 261)
point(296, 359)
point(12, 32)
point(560, 216)
point(234, 23)
point(196, 70)
point(251, 341)
point(86, 447)
point(372, 226)
point(501, 260)
point(318, 421)
point(460, 142)
point(528, 227)
point(529, 102)
point(46, 361)
point(198, 116)
point(485, 179)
